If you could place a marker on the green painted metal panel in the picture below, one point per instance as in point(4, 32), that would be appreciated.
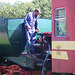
point(44, 25)
point(5, 46)
point(13, 24)
point(21, 60)
point(12, 35)
point(16, 34)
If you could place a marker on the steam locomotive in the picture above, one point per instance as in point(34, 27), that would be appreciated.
point(13, 56)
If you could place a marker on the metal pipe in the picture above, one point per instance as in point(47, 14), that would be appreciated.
point(45, 60)
point(33, 55)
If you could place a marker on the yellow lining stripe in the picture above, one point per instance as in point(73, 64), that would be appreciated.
point(60, 55)
point(65, 45)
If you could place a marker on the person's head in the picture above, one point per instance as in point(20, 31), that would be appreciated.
point(37, 11)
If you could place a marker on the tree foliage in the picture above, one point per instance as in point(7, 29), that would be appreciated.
point(20, 9)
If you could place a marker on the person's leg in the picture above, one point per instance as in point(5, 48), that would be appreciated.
point(33, 39)
point(28, 38)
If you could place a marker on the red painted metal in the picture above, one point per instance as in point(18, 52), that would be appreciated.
point(0, 70)
point(11, 70)
point(45, 39)
point(67, 66)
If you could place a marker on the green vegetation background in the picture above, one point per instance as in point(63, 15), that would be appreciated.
point(20, 9)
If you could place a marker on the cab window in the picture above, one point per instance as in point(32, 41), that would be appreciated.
point(60, 22)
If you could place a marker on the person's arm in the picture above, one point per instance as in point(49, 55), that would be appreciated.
point(26, 21)
point(36, 26)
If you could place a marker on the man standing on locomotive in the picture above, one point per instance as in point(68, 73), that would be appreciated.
point(31, 27)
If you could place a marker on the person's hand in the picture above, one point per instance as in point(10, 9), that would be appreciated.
point(37, 30)
point(28, 27)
